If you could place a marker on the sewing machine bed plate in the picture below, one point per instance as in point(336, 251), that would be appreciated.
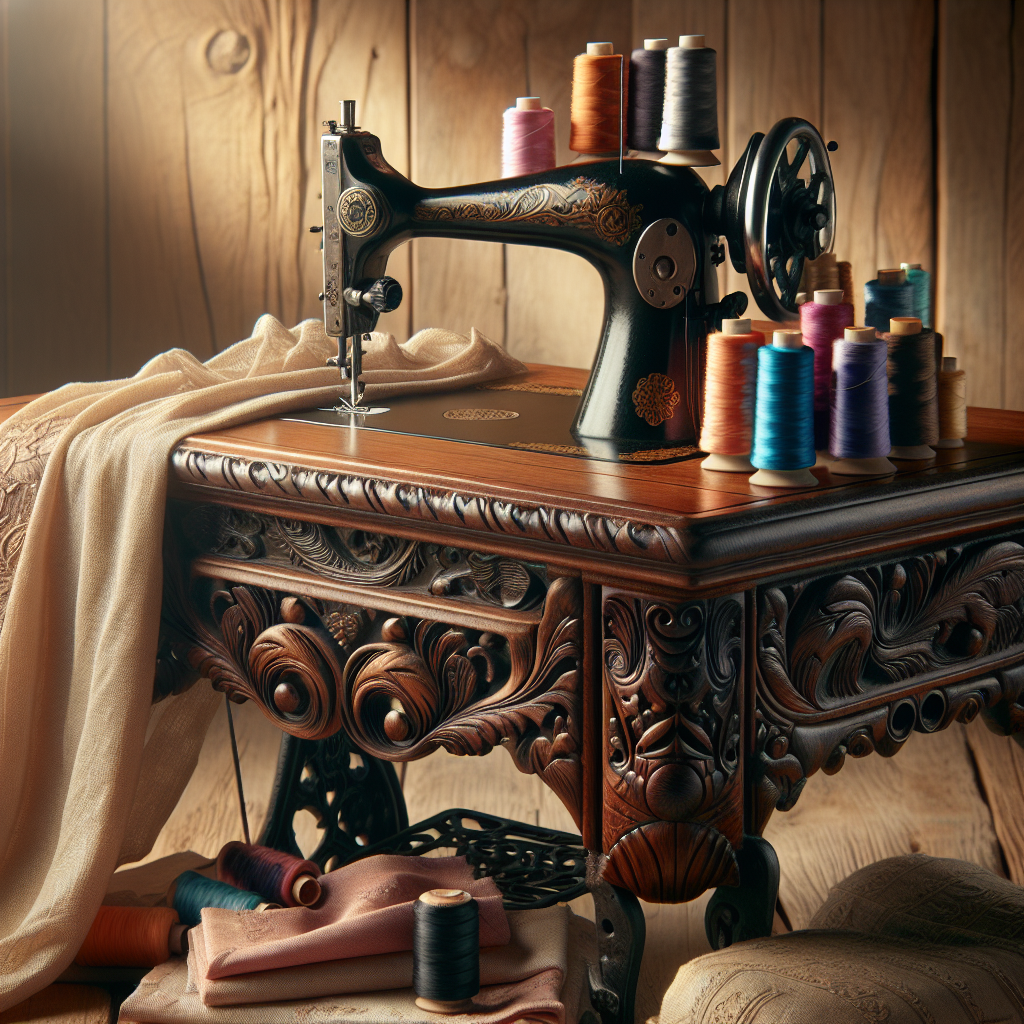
point(527, 417)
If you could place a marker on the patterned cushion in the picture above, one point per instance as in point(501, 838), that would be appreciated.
point(910, 939)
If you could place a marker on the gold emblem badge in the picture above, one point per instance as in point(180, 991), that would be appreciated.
point(655, 398)
point(359, 211)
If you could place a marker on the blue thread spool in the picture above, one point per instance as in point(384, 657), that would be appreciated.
point(860, 405)
point(783, 448)
point(921, 281)
point(889, 295)
point(193, 891)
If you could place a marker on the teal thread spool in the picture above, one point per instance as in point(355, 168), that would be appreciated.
point(193, 891)
point(783, 449)
point(921, 281)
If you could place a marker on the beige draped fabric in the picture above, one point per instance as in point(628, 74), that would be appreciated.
point(90, 772)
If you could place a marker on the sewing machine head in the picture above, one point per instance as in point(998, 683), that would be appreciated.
point(652, 231)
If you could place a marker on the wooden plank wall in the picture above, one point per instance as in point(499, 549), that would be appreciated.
point(159, 178)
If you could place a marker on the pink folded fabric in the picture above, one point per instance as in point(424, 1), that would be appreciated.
point(539, 942)
point(367, 908)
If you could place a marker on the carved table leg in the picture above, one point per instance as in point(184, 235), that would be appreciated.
point(673, 800)
point(746, 911)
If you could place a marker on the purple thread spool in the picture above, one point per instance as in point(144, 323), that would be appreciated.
point(822, 322)
point(859, 438)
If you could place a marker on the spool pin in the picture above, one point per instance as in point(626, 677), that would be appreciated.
point(688, 157)
point(879, 466)
point(445, 898)
point(730, 463)
point(785, 477)
point(905, 326)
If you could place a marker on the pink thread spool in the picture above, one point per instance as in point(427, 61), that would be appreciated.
point(528, 138)
point(822, 322)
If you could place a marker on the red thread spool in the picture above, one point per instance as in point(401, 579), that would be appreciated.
point(595, 116)
point(822, 322)
point(276, 876)
point(729, 391)
point(132, 937)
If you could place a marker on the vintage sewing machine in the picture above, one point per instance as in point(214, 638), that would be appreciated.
point(652, 230)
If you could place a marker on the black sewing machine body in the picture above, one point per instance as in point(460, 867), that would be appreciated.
point(651, 230)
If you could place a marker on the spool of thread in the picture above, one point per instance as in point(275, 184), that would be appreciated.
point(783, 446)
point(859, 438)
point(594, 112)
point(889, 295)
point(729, 391)
point(952, 405)
point(822, 322)
point(132, 937)
point(527, 138)
point(446, 951)
point(820, 274)
point(845, 270)
point(277, 877)
point(921, 281)
point(646, 95)
point(689, 127)
point(913, 389)
point(193, 891)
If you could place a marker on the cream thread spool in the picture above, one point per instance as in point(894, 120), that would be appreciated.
point(952, 405)
point(879, 465)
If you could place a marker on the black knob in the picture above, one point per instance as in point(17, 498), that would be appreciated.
point(315, 230)
point(384, 295)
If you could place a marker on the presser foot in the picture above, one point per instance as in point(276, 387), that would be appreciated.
point(345, 406)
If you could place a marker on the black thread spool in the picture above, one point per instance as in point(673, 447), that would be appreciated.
point(646, 95)
point(445, 951)
point(913, 389)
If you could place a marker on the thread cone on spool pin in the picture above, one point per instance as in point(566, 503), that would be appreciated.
point(913, 404)
point(597, 111)
point(646, 99)
point(729, 384)
point(689, 127)
point(527, 138)
point(823, 321)
point(784, 414)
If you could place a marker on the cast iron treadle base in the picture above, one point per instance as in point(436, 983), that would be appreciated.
point(356, 799)
point(746, 911)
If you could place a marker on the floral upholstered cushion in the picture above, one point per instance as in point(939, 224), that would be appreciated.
point(909, 939)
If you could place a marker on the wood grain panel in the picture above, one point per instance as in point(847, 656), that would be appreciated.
point(555, 300)
point(214, 197)
point(922, 800)
point(56, 208)
point(974, 128)
point(466, 66)
point(1013, 265)
point(774, 71)
point(877, 104)
point(1000, 764)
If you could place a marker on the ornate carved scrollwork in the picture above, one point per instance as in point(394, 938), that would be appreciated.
point(673, 802)
point(870, 645)
point(402, 685)
point(426, 685)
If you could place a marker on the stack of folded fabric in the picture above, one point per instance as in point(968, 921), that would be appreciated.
point(265, 967)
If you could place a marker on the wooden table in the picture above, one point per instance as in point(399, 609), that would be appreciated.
point(673, 652)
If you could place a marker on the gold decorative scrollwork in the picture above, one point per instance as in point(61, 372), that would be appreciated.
point(582, 203)
point(655, 398)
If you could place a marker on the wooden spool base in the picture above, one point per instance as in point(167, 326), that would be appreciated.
point(880, 466)
point(912, 453)
point(950, 442)
point(727, 463)
point(784, 478)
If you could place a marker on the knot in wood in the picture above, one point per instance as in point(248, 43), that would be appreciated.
point(228, 52)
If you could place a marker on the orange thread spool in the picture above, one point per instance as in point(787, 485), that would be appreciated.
point(131, 937)
point(595, 113)
point(729, 391)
